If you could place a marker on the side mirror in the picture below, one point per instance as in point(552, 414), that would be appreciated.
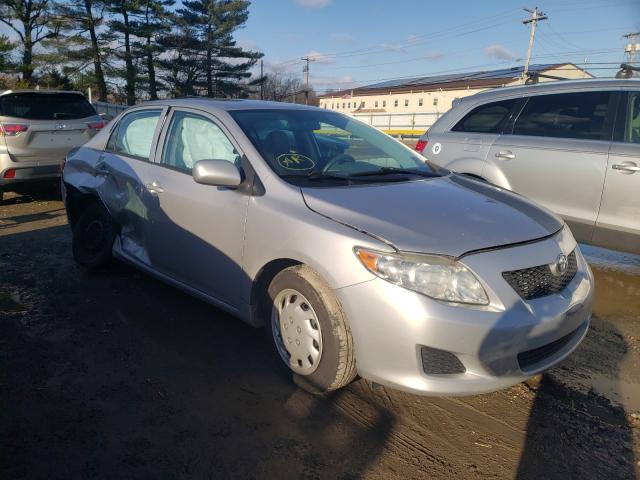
point(220, 173)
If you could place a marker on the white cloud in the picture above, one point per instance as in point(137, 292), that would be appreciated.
point(313, 3)
point(332, 83)
point(319, 57)
point(499, 51)
point(342, 37)
point(394, 47)
point(433, 55)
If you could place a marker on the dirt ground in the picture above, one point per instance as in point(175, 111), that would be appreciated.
point(119, 376)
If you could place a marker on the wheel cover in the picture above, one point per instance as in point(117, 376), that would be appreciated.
point(296, 331)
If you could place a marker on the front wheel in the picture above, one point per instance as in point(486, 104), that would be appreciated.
point(309, 330)
point(93, 237)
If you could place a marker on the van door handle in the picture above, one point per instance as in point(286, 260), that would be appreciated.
point(154, 188)
point(506, 155)
point(626, 167)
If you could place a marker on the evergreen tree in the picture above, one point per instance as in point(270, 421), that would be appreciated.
point(6, 50)
point(221, 62)
point(83, 39)
point(123, 24)
point(154, 22)
point(33, 22)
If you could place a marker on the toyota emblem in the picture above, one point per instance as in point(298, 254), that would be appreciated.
point(562, 264)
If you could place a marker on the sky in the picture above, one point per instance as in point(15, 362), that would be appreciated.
point(358, 42)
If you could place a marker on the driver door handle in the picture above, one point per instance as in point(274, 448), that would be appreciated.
point(506, 155)
point(154, 188)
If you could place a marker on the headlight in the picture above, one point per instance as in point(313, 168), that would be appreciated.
point(437, 277)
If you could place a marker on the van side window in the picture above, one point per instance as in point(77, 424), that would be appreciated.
point(579, 115)
point(134, 133)
point(489, 118)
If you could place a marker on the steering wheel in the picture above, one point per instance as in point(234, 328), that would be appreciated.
point(342, 158)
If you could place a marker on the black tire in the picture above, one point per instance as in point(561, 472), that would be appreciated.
point(93, 237)
point(337, 365)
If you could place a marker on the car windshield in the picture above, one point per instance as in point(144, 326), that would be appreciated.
point(318, 148)
point(45, 106)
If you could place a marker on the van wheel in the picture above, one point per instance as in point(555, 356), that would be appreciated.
point(309, 331)
point(93, 237)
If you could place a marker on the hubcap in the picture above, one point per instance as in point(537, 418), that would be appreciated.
point(296, 331)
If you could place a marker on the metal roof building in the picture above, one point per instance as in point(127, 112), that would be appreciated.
point(425, 98)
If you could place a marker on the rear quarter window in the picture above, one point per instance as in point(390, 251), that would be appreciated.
point(45, 106)
point(488, 118)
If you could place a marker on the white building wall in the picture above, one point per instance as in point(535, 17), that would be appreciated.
point(401, 102)
point(425, 101)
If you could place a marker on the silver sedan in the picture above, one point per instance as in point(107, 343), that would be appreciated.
point(356, 256)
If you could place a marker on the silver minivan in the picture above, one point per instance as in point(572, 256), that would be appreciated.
point(37, 130)
point(356, 255)
point(572, 146)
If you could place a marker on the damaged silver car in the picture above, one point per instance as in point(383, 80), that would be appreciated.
point(356, 256)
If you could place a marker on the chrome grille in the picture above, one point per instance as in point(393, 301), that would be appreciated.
point(540, 281)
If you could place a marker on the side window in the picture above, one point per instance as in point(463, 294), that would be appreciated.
point(489, 118)
point(191, 138)
point(566, 115)
point(133, 136)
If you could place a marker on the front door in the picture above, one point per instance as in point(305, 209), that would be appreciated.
point(618, 224)
point(198, 237)
point(557, 155)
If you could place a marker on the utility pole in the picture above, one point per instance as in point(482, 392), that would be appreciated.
point(305, 70)
point(632, 46)
point(261, 80)
point(536, 16)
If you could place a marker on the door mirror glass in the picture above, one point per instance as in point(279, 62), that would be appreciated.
point(221, 173)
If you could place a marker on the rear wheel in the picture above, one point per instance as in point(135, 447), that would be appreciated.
point(309, 330)
point(93, 237)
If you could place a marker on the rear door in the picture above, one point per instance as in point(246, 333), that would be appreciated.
point(464, 147)
point(46, 125)
point(557, 155)
point(618, 224)
point(124, 178)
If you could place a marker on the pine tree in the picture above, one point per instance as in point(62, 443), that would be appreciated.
point(33, 22)
point(6, 49)
point(83, 40)
point(154, 22)
point(122, 23)
point(222, 63)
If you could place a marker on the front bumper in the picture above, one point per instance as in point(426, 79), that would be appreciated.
point(390, 325)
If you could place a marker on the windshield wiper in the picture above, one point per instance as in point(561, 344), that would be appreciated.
point(394, 171)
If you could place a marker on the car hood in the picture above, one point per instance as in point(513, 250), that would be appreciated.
point(449, 215)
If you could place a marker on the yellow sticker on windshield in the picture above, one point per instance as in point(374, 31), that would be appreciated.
point(295, 161)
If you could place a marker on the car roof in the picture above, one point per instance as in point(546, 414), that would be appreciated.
point(33, 90)
point(550, 87)
point(227, 104)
